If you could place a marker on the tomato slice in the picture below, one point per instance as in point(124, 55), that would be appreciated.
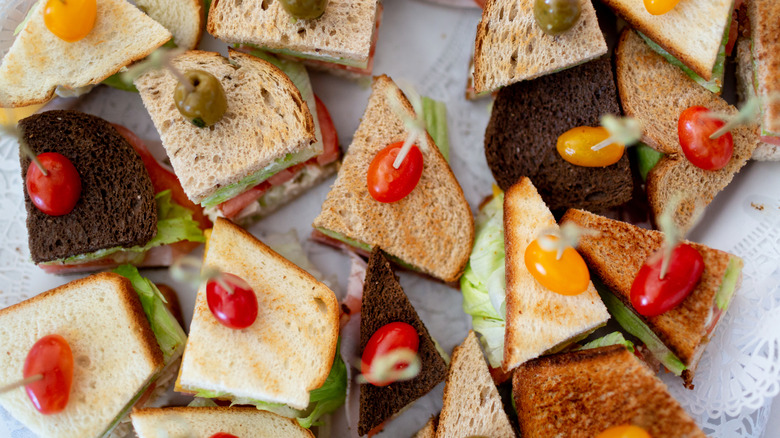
point(771, 140)
point(330, 138)
point(733, 32)
point(233, 206)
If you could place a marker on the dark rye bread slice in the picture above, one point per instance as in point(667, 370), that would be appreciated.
point(116, 207)
point(582, 393)
point(524, 126)
point(384, 301)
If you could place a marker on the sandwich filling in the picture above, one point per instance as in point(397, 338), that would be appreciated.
point(766, 136)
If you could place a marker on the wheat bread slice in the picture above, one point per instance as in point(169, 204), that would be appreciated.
point(511, 47)
point(258, 362)
point(692, 32)
point(183, 18)
point(114, 350)
point(38, 61)
point(343, 33)
point(655, 93)
point(384, 301)
point(266, 120)
point(538, 320)
point(582, 393)
point(429, 430)
point(617, 254)
point(116, 207)
point(207, 421)
point(472, 405)
point(745, 90)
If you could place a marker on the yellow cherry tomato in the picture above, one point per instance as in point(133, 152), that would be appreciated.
point(70, 20)
point(575, 145)
point(660, 7)
point(626, 431)
point(566, 276)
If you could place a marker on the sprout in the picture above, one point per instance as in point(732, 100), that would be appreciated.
point(622, 130)
point(749, 113)
point(12, 131)
point(159, 59)
point(179, 272)
point(383, 368)
point(566, 236)
point(415, 125)
point(670, 230)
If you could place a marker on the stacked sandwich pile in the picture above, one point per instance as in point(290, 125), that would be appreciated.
point(578, 233)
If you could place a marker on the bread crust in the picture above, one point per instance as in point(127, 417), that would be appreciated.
point(765, 32)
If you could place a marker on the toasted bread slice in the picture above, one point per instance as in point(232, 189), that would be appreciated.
point(258, 362)
point(692, 32)
point(538, 320)
point(472, 405)
point(431, 229)
point(343, 34)
point(384, 301)
point(266, 120)
point(511, 47)
point(745, 90)
point(582, 393)
point(183, 18)
point(39, 61)
point(764, 16)
point(114, 350)
point(429, 430)
point(617, 254)
point(205, 422)
point(656, 92)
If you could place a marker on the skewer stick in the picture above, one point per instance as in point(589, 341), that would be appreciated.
point(18, 383)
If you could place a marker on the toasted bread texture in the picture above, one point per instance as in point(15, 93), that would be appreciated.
point(114, 350)
point(764, 16)
point(617, 254)
point(384, 301)
point(582, 393)
point(745, 90)
point(431, 229)
point(538, 320)
point(39, 61)
point(343, 32)
point(205, 422)
point(258, 362)
point(183, 18)
point(472, 405)
point(266, 119)
point(429, 430)
point(692, 32)
point(511, 47)
point(116, 207)
point(655, 93)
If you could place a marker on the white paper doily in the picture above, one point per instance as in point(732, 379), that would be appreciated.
point(430, 46)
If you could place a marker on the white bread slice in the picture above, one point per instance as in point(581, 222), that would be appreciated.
point(429, 430)
point(745, 89)
point(692, 32)
point(114, 350)
point(431, 229)
point(204, 422)
point(656, 92)
point(764, 16)
point(39, 61)
point(510, 46)
point(183, 18)
point(472, 405)
point(343, 31)
point(289, 349)
point(266, 119)
point(538, 320)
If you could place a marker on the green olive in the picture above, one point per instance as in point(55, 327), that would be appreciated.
point(205, 103)
point(556, 16)
point(305, 9)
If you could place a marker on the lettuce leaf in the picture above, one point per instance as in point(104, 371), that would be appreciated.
point(435, 114)
point(718, 69)
point(647, 158)
point(614, 338)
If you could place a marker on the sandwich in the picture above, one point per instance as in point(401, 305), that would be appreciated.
point(285, 360)
point(757, 70)
point(677, 338)
point(692, 36)
point(341, 40)
point(231, 170)
point(125, 347)
point(515, 316)
point(384, 302)
point(583, 393)
point(656, 93)
point(205, 422)
point(511, 45)
point(183, 18)
point(39, 61)
point(430, 230)
point(130, 209)
point(526, 121)
point(429, 430)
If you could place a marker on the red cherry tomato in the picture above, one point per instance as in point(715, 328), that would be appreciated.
point(236, 309)
point(330, 138)
point(388, 338)
point(388, 184)
point(223, 435)
point(651, 295)
point(694, 128)
point(57, 193)
point(52, 358)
